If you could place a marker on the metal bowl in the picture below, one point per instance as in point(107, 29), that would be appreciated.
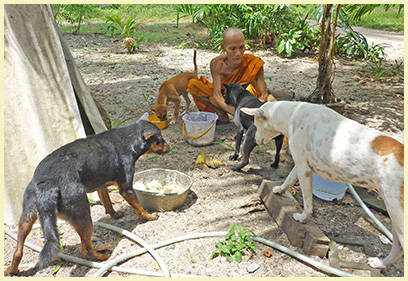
point(162, 201)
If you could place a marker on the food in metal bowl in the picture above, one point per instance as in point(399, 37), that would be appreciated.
point(161, 189)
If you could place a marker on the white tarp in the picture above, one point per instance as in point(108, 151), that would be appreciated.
point(40, 109)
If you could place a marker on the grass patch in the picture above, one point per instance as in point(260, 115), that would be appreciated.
point(384, 20)
point(87, 28)
point(153, 12)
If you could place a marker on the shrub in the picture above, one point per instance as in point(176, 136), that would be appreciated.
point(125, 28)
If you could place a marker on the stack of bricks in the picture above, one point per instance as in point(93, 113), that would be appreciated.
point(281, 207)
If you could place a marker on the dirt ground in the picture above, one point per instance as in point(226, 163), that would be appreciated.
point(127, 84)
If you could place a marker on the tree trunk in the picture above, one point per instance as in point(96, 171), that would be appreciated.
point(76, 31)
point(324, 91)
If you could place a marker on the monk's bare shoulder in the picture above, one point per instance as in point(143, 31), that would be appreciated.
point(218, 66)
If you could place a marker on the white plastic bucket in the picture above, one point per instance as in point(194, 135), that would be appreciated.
point(328, 190)
point(199, 127)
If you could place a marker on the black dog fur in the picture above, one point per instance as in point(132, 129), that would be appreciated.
point(62, 179)
point(239, 97)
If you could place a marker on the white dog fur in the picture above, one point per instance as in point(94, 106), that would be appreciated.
point(337, 149)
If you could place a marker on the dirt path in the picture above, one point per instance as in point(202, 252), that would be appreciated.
point(126, 85)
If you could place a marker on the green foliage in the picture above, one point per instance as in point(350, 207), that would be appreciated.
point(358, 11)
point(292, 32)
point(380, 70)
point(354, 45)
point(194, 11)
point(224, 143)
point(236, 242)
point(300, 38)
point(121, 26)
point(74, 13)
point(60, 263)
point(125, 28)
point(382, 19)
point(92, 202)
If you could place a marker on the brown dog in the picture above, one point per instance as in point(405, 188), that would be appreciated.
point(171, 90)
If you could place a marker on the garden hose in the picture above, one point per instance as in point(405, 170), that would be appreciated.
point(104, 267)
point(137, 239)
point(369, 213)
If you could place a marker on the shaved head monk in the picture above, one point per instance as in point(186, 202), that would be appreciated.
point(233, 66)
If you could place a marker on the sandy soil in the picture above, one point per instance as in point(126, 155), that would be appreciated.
point(126, 86)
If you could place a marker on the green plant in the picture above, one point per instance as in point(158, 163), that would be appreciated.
point(378, 69)
point(256, 21)
point(300, 37)
point(115, 100)
point(354, 45)
point(183, 10)
point(224, 143)
point(236, 242)
point(125, 28)
point(60, 263)
point(259, 148)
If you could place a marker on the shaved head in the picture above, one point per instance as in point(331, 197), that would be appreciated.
point(231, 32)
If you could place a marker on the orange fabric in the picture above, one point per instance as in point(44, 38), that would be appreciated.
point(247, 73)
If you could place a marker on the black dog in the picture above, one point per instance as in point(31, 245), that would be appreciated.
point(62, 179)
point(239, 97)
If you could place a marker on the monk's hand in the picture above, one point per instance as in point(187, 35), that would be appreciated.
point(263, 98)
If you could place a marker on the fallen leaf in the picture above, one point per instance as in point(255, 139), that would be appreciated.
point(214, 163)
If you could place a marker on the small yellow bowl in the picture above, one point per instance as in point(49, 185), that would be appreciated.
point(156, 121)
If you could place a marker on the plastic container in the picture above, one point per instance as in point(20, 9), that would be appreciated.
point(156, 121)
point(328, 190)
point(199, 127)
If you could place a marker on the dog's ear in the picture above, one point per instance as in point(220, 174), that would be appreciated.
point(258, 112)
point(245, 85)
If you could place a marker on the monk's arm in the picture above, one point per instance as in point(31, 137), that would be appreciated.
point(260, 85)
point(217, 86)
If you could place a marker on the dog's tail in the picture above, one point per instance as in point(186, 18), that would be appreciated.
point(195, 62)
point(47, 213)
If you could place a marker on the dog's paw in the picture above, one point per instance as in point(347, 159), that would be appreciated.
point(10, 271)
point(149, 217)
point(300, 217)
point(233, 157)
point(375, 262)
point(236, 168)
point(275, 165)
point(278, 189)
point(101, 257)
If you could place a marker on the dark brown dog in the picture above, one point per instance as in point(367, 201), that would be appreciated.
point(171, 90)
point(62, 179)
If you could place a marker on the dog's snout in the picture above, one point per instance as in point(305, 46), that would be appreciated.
point(166, 148)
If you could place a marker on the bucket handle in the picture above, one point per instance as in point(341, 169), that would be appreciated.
point(194, 138)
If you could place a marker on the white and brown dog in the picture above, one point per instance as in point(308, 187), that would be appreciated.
point(337, 149)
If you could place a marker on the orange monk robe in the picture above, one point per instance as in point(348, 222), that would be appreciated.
point(246, 73)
